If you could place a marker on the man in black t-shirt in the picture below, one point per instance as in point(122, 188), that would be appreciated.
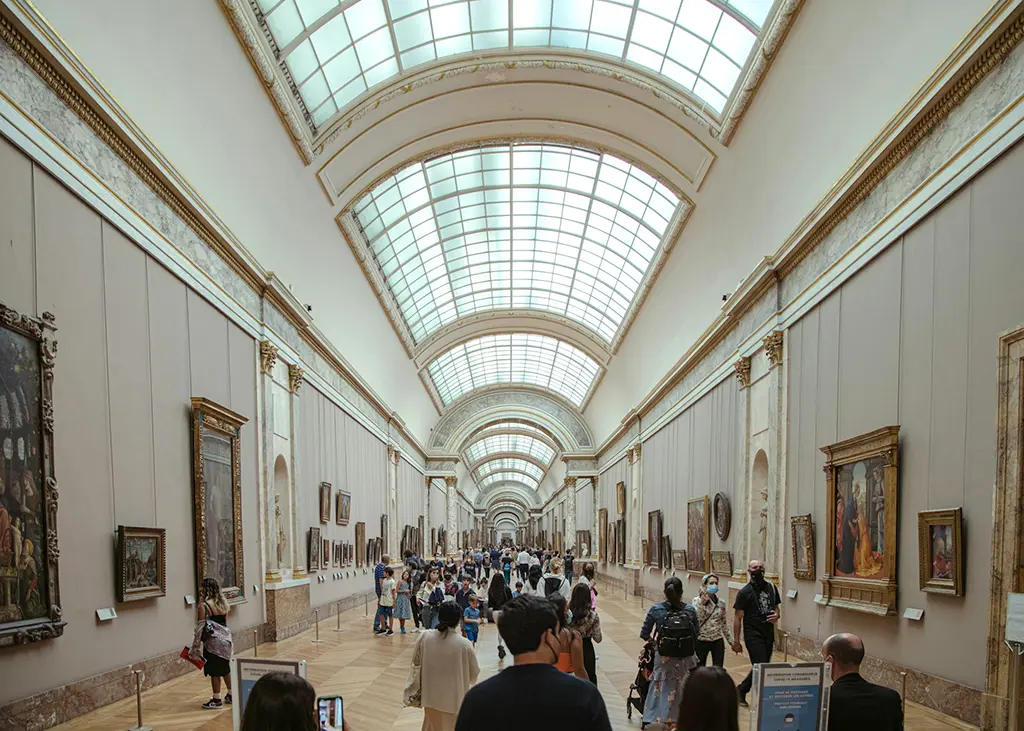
point(757, 609)
point(557, 701)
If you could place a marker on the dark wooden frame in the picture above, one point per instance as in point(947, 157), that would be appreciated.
point(654, 529)
point(690, 563)
point(952, 517)
point(313, 549)
point(338, 501)
point(602, 535)
point(123, 593)
point(721, 564)
point(325, 503)
point(40, 330)
point(721, 499)
point(209, 415)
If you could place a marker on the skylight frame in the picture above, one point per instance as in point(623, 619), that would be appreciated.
point(511, 477)
point(554, 228)
point(532, 360)
point(366, 44)
point(509, 464)
point(480, 449)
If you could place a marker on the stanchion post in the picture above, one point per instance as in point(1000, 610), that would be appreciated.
point(785, 646)
point(366, 605)
point(903, 692)
point(138, 702)
point(255, 643)
point(338, 628)
point(316, 615)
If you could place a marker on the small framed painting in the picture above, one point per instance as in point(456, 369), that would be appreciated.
point(679, 560)
point(802, 542)
point(325, 502)
point(325, 556)
point(313, 556)
point(343, 509)
point(141, 563)
point(620, 498)
point(665, 557)
point(721, 563)
point(941, 551)
point(646, 551)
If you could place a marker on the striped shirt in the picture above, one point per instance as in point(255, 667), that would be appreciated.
point(378, 577)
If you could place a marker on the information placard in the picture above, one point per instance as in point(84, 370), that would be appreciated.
point(246, 671)
point(791, 696)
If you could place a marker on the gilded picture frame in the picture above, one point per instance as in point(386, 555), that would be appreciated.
point(698, 535)
point(654, 526)
point(140, 564)
point(721, 563)
point(360, 545)
point(801, 539)
point(602, 534)
point(343, 507)
point(941, 551)
point(325, 503)
point(862, 497)
point(620, 498)
point(679, 560)
point(325, 554)
point(621, 547)
point(27, 356)
point(216, 458)
point(313, 551)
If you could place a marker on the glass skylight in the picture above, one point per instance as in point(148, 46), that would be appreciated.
point(527, 226)
point(505, 426)
point(497, 477)
point(513, 358)
point(509, 463)
point(509, 443)
point(337, 49)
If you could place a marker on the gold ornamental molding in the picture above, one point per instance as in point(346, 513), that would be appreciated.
point(296, 377)
point(268, 356)
point(773, 348)
point(742, 368)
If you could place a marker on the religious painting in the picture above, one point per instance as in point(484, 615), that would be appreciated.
point(343, 509)
point(360, 545)
point(679, 560)
point(862, 501)
point(602, 534)
point(802, 542)
point(723, 515)
point(721, 563)
point(141, 564)
point(621, 547)
point(325, 502)
point(654, 538)
point(620, 498)
point(217, 496)
point(313, 552)
point(698, 535)
point(666, 553)
point(941, 551)
point(30, 608)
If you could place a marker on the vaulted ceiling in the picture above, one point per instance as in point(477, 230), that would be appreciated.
point(511, 175)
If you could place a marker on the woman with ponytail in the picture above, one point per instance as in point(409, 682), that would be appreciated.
point(673, 628)
point(446, 664)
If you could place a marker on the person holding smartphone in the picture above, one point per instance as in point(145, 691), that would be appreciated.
point(287, 702)
point(757, 610)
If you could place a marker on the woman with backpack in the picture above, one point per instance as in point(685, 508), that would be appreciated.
point(498, 596)
point(533, 584)
point(554, 582)
point(673, 628)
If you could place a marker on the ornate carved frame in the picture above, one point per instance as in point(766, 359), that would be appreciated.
point(707, 534)
point(360, 545)
point(952, 517)
point(209, 415)
point(602, 535)
point(620, 498)
point(797, 524)
point(325, 503)
point(339, 500)
point(124, 594)
point(42, 628)
point(873, 596)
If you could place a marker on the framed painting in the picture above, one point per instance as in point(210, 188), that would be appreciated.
point(325, 555)
point(384, 532)
point(801, 540)
point(941, 551)
point(621, 548)
point(313, 551)
point(723, 515)
point(862, 499)
point(325, 502)
point(721, 563)
point(421, 549)
point(30, 608)
point(141, 564)
point(666, 553)
point(698, 536)
point(217, 496)
point(620, 498)
point(343, 508)
point(645, 552)
point(654, 537)
point(613, 542)
point(360, 545)
point(679, 560)
point(602, 534)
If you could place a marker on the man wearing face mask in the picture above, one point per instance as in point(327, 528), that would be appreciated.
point(756, 610)
point(854, 703)
point(557, 701)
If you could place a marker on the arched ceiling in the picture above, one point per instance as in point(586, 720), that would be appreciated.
point(511, 176)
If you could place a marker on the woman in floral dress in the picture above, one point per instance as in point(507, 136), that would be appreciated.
point(403, 606)
point(670, 673)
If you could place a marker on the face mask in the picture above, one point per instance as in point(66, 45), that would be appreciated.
point(712, 588)
point(757, 576)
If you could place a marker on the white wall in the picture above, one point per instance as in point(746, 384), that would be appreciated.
point(844, 70)
point(178, 70)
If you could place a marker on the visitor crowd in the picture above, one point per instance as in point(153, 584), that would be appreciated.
point(551, 627)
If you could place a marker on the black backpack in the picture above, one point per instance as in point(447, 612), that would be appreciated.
point(551, 585)
point(675, 635)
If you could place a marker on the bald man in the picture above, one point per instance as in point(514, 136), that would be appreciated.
point(854, 703)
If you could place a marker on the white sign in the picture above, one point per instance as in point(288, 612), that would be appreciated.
point(789, 695)
point(1015, 618)
point(106, 614)
point(247, 671)
point(913, 614)
point(791, 594)
point(190, 600)
point(819, 598)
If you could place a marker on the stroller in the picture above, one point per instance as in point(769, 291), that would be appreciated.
point(642, 683)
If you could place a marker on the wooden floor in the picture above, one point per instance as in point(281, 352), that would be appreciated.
point(370, 672)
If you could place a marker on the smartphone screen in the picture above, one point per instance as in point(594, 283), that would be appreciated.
point(330, 710)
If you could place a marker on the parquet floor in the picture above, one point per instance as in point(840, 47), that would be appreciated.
point(370, 673)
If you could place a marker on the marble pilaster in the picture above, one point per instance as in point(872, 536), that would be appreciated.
point(452, 495)
point(775, 533)
point(742, 505)
point(634, 512)
point(570, 514)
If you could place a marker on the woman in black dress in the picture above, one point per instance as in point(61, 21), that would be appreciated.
point(498, 596)
point(215, 608)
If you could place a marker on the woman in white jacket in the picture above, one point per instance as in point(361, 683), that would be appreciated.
point(554, 580)
point(448, 669)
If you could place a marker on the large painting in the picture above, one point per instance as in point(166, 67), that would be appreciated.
point(325, 502)
point(313, 556)
point(698, 536)
point(360, 545)
point(941, 551)
point(621, 547)
point(862, 492)
point(802, 542)
point(654, 538)
point(141, 564)
point(384, 532)
point(620, 498)
point(29, 587)
point(217, 496)
point(602, 534)
point(343, 510)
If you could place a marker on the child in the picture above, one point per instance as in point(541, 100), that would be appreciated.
point(388, 592)
point(471, 619)
point(403, 605)
point(519, 590)
point(462, 597)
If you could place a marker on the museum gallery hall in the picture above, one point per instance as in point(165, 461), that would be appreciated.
point(291, 286)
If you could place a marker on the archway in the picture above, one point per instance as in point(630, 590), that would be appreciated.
point(282, 514)
point(759, 503)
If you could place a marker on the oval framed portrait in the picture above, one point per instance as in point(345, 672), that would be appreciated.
point(723, 515)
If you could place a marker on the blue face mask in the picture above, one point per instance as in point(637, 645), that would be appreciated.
point(712, 588)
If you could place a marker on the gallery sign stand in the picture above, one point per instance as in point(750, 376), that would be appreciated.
point(790, 695)
point(247, 670)
point(138, 701)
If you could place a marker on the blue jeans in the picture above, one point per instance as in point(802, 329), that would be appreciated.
point(568, 575)
point(377, 617)
point(428, 615)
